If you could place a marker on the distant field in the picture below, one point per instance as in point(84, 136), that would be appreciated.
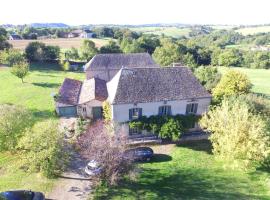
point(64, 43)
point(254, 30)
point(168, 31)
point(260, 79)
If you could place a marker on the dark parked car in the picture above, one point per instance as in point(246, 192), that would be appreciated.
point(21, 195)
point(140, 153)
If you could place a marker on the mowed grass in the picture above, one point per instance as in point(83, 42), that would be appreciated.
point(254, 30)
point(35, 95)
point(189, 171)
point(260, 78)
point(168, 31)
point(64, 43)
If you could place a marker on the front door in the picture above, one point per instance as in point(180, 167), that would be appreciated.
point(97, 112)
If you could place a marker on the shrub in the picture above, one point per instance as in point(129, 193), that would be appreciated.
point(42, 146)
point(171, 130)
point(13, 121)
point(20, 69)
point(236, 133)
point(208, 76)
point(107, 113)
point(14, 57)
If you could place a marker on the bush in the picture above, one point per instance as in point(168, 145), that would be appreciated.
point(171, 130)
point(13, 121)
point(20, 70)
point(208, 76)
point(236, 133)
point(14, 57)
point(33, 51)
point(42, 146)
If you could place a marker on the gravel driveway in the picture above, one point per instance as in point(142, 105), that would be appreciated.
point(72, 185)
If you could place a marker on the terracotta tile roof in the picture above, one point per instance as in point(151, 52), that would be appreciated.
point(69, 92)
point(139, 85)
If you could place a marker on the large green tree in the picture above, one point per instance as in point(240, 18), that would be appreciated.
point(208, 76)
point(236, 133)
point(167, 53)
point(3, 39)
point(111, 47)
point(88, 50)
point(232, 82)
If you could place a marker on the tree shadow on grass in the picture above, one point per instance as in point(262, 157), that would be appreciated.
point(198, 145)
point(180, 184)
point(47, 85)
point(160, 158)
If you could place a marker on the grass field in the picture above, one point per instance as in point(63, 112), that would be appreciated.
point(64, 43)
point(35, 94)
point(254, 30)
point(260, 79)
point(168, 31)
point(189, 171)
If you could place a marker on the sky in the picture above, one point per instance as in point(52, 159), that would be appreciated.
point(78, 12)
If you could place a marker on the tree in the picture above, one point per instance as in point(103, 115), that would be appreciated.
point(167, 53)
point(106, 148)
point(148, 43)
point(13, 121)
point(3, 39)
point(208, 76)
point(34, 51)
point(111, 47)
point(50, 53)
point(14, 57)
point(20, 69)
point(42, 146)
point(236, 133)
point(72, 54)
point(65, 65)
point(232, 83)
point(130, 46)
point(230, 57)
point(107, 112)
point(88, 50)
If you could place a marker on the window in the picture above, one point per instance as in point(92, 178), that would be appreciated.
point(192, 108)
point(84, 109)
point(135, 113)
point(134, 131)
point(164, 110)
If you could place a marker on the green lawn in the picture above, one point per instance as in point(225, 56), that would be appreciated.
point(260, 79)
point(35, 94)
point(189, 171)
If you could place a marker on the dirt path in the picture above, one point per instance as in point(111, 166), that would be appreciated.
point(72, 185)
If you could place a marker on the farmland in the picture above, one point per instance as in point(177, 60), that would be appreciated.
point(254, 30)
point(63, 43)
point(168, 31)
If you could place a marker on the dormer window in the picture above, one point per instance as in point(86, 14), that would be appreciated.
point(135, 113)
point(165, 110)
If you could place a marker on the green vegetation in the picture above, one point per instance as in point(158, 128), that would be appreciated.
point(167, 31)
point(258, 77)
point(36, 93)
point(254, 30)
point(189, 171)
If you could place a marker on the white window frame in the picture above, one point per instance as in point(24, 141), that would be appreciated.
point(193, 108)
point(165, 110)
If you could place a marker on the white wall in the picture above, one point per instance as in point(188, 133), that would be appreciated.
point(120, 112)
point(88, 105)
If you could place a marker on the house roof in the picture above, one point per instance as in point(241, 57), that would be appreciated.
point(94, 88)
point(118, 60)
point(69, 92)
point(141, 85)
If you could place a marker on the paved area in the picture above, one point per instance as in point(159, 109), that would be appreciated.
point(72, 185)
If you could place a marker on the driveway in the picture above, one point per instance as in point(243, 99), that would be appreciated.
point(72, 185)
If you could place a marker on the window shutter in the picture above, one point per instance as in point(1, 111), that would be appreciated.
point(195, 108)
point(160, 110)
point(140, 112)
point(130, 114)
point(169, 110)
point(188, 109)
